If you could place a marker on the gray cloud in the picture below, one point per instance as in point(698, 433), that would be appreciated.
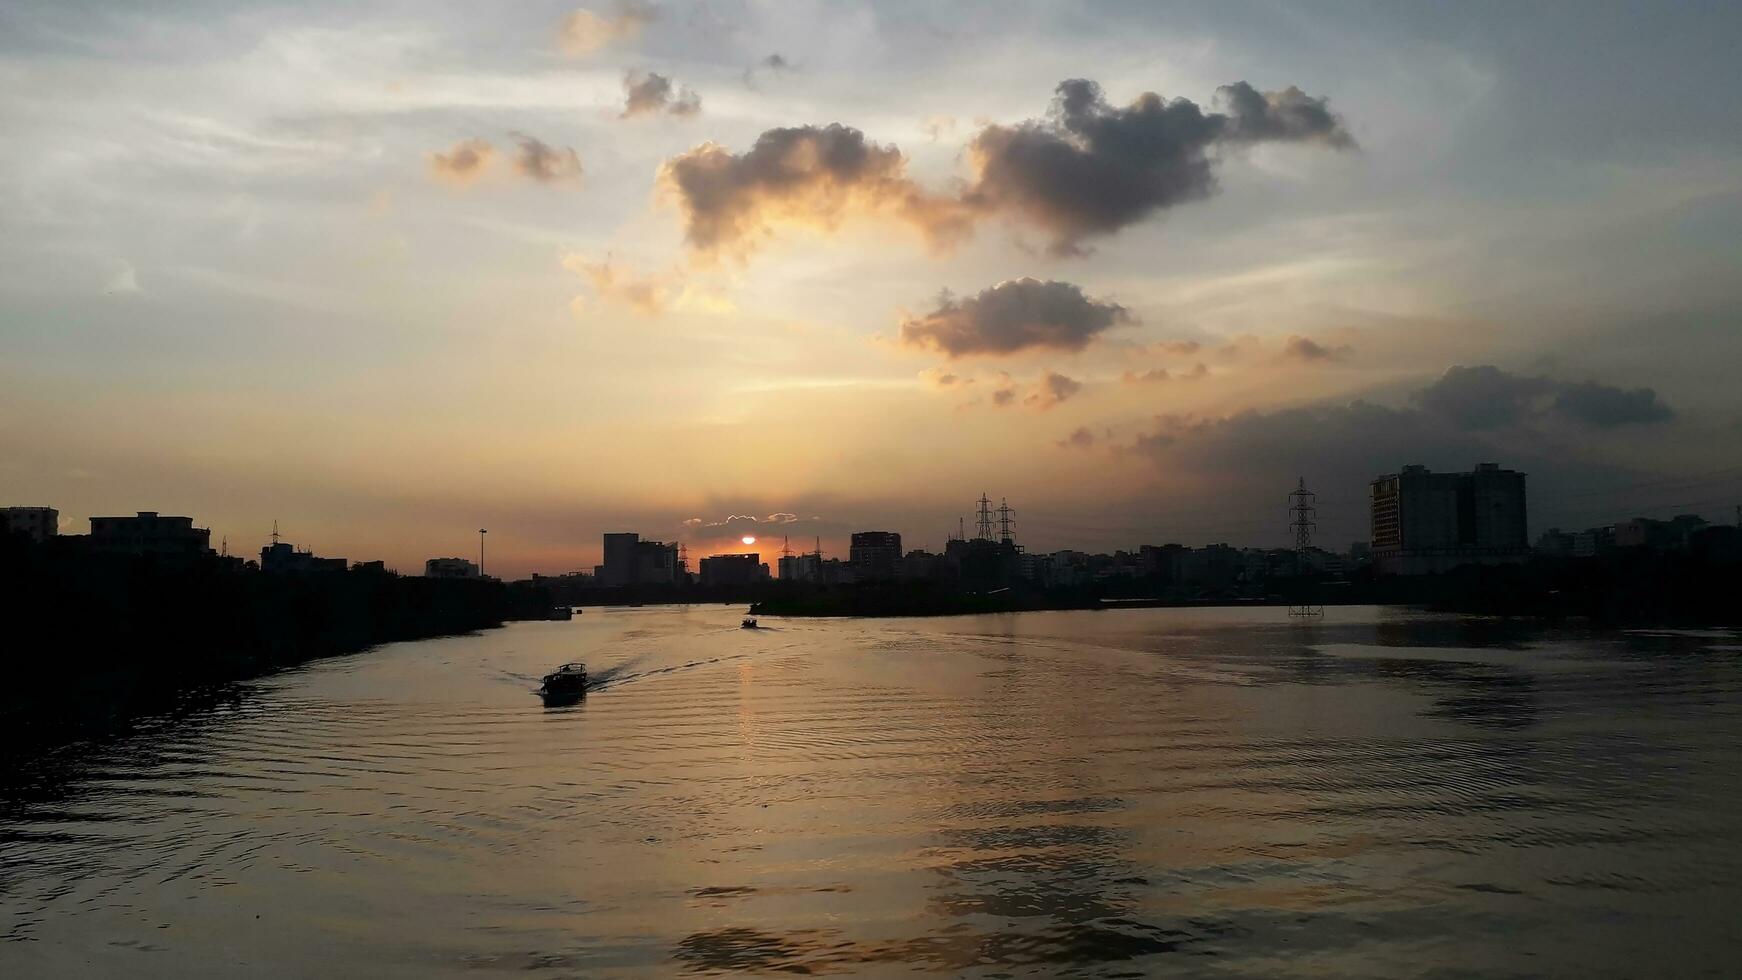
point(1091, 169)
point(812, 175)
point(652, 93)
point(544, 163)
point(1014, 315)
point(1082, 438)
point(1289, 115)
point(463, 164)
point(1486, 397)
point(1604, 406)
point(1087, 170)
point(1307, 349)
point(1052, 389)
point(774, 64)
point(1483, 397)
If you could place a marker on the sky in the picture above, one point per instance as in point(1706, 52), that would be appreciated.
point(387, 273)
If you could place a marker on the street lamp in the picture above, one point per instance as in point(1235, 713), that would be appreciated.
point(481, 533)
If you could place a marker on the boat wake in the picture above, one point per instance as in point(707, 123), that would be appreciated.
point(621, 674)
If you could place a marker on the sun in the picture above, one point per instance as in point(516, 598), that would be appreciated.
point(749, 539)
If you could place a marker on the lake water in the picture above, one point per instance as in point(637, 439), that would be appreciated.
point(1139, 792)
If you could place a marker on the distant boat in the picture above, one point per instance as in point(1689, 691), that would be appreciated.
point(565, 685)
point(561, 612)
point(749, 624)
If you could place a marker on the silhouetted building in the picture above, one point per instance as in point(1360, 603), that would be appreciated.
point(1594, 541)
point(1670, 535)
point(282, 558)
point(632, 561)
point(147, 533)
point(36, 523)
point(744, 569)
point(369, 567)
point(875, 554)
point(1555, 543)
point(450, 568)
point(1433, 522)
point(800, 568)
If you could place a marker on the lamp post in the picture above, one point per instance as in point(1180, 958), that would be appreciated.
point(481, 533)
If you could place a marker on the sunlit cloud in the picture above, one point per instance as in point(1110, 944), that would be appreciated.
point(647, 294)
point(464, 163)
point(585, 31)
point(815, 176)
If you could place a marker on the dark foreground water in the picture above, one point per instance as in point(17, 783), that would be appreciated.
point(1195, 792)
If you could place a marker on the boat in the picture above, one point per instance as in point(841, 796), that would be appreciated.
point(565, 685)
point(749, 624)
point(561, 612)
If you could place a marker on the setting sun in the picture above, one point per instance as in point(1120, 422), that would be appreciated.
point(749, 539)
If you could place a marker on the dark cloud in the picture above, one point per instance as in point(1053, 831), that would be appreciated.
point(1604, 406)
point(1004, 396)
point(1015, 315)
point(585, 31)
point(1147, 377)
point(1080, 439)
point(1237, 462)
point(651, 93)
point(800, 175)
point(1090, 169)
point(463, 164)
point(1306, 349)
point(1484, 397)
point(1289, 116)
point(1052, 389)
point(544, 163)
point(1087, 170)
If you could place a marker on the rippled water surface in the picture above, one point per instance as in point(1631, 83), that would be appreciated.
point(1139, 792)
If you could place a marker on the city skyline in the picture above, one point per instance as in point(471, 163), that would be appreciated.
point(392, 274)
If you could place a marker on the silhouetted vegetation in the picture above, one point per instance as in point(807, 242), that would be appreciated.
point(93, 637)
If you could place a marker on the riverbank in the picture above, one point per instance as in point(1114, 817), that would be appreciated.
point(96, 639)
point(1635, 589)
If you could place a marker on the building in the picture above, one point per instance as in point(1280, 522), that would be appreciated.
point(1670, 535)
point(1555, 543)
point(745, 569)
point(283, 558)
point(1433, 522)
point(1594, 541)
point(632, 561)
point(147, 533)
point(875, 554)
point(450, 568)
point(36, 523)
point(801, 568)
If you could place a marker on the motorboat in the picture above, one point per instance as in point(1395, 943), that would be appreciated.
point(561, 612)
point(565, 685)
point(749, 624)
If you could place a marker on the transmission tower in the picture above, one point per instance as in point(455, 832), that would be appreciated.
point(1300, 507)
point(983, 526)
point(1300, 503)
point(1004, 513)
